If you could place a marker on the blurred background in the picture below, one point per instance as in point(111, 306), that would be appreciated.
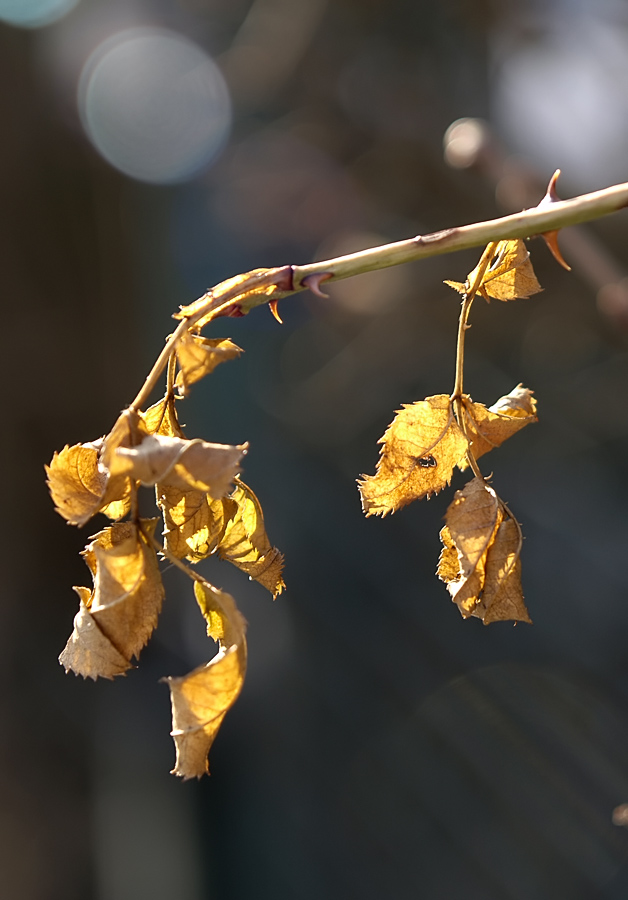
point(382, 747)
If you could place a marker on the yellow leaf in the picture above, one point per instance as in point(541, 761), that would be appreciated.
point(198, 356)
point(194, 524)
point(246, 544)
point(177, 462)
point(118, 616)
point(161, 418)
point(472, 519)
point(420, 449)
point(79, 479)
point(257, 288)
point(488, 428)
point(508, 276)
point(201, 699)
point(502, 598)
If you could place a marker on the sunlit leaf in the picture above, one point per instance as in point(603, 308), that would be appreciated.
point(489, 428)
point(502, 598)
point(201, 699)
point(508, 276)
point(161, 418)
point(246, 544)
point(194, 524)
point(119, 614)
point(420, 449)
point(198, 356)
point(186, 465)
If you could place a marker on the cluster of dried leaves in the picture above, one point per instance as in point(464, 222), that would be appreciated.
point(428, 439)
point(206, 510)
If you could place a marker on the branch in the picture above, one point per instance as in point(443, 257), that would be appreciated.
point(549, 215)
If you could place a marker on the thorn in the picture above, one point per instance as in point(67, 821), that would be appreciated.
point(551, 239)
point(313, 283)
point(550, 195)
point(272, 305)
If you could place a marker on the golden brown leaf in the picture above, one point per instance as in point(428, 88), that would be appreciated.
point(246, 545)
point(79, 479)
point(502, 598)
point(161, 418)
point(198, 356)
point(508, 276)
point(489, 428)
point(472, 519)
point(118, 616)
point(186, 465)
point(201, 699)
point(194, 524)
point(256, 289)
point(420, 449)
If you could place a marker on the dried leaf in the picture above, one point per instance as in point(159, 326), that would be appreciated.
point(183, 464)
point(194, 524)
point(509, 275)
point(118, 616)
point(246, 544)
point(257, 288)
point(489, 428)
point(472, 519)
point(79, 479)
point(502, 598)
point(161, 418)
point(198, 356)
point(420, 449)
point(201, 699)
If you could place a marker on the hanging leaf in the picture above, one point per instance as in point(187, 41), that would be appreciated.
point(198, 356)
point(489, 428)
point(472, 519)
point(201, 699)
point(117, 617)
point(194, 524)
point(79, 478)
point(508, 276)
point(420, 449)
point(161, 418)
point(246, 544)
point(480, 557)
point(179, 463)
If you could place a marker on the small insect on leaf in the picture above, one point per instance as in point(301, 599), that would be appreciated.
point(427, 462)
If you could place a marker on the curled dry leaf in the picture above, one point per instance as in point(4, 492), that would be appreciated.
point(117, 617)
point(256, 287)
point(198, 356)
point(194, 524)
point(79, 477)
point(201, 699)
point(489, 428)
point(480, 557)
point(508, 276)
point(420, 448)
point(179, 463)
point(246, 544)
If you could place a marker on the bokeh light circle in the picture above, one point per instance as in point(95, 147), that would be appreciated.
point(34, 13)
point(154, 105)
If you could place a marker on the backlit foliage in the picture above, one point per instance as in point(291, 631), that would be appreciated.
point(207, 510)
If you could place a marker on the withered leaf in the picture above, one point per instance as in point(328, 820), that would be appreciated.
point(256, 290)
point(194, 524)
point(119, 614)
point(502, 598)
point(198, 356)
point(509, 275)
point(186, 465)
point(420, 448)
point(201, 699)
point(246, 544)
point(489, 428)
point(472, 519)
point(79, 478)
point(161, 418)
